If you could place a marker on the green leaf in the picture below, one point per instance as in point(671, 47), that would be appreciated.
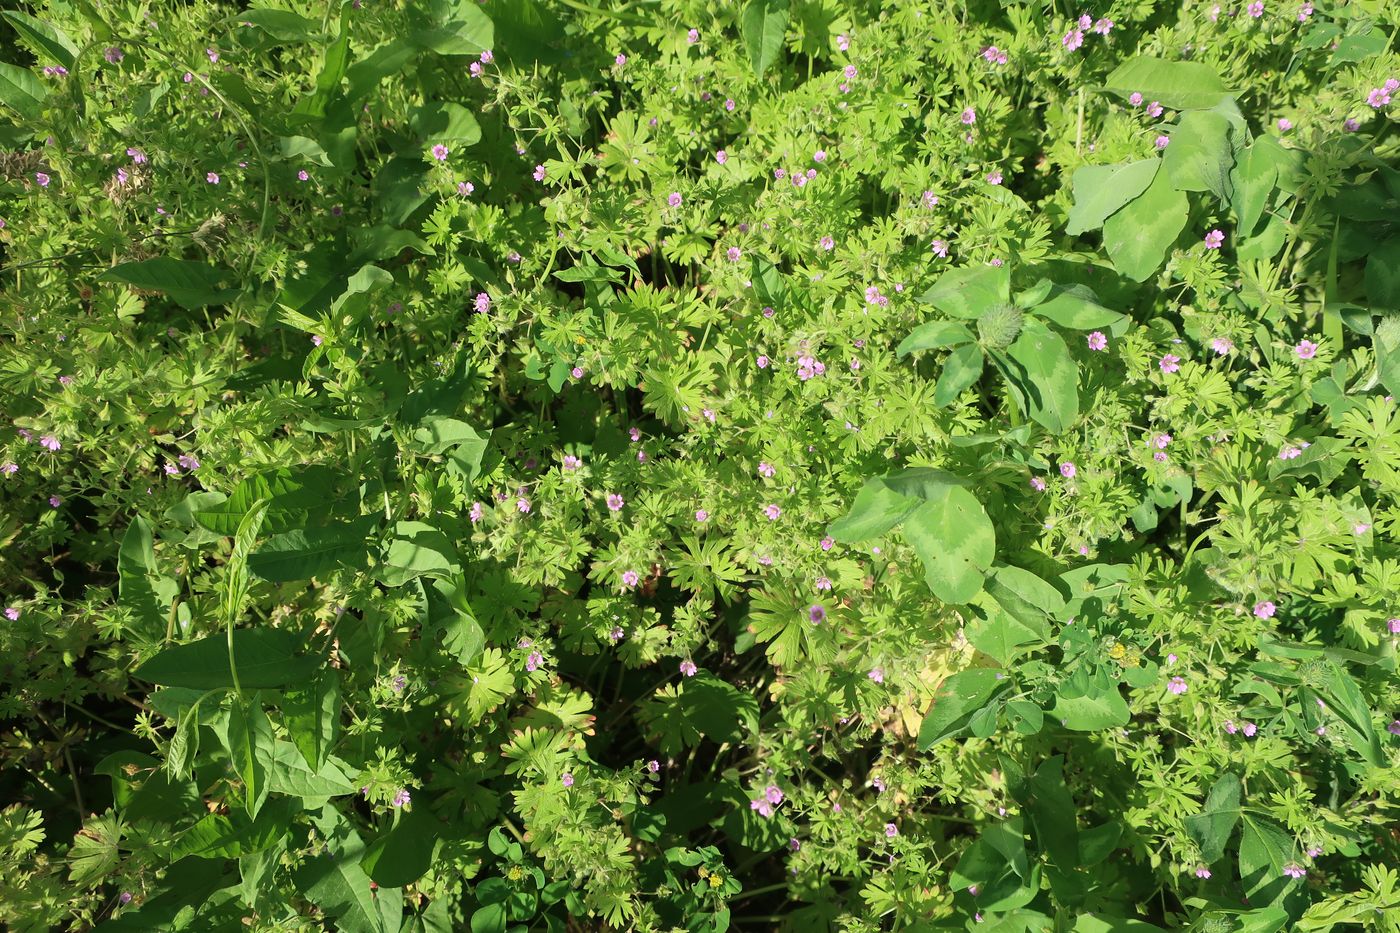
point(969, 291)
point(364, 76)
point(436, 122)
point(1383, 276)
point(1138, 236)
point(489, 919)
point(335, 882)
point(960, 370)
point(1102, 707)
point(289, 774)
point(141, 586)
point(464, 30)
point(403, 854)
point(22, 92)
point(1386, 344)
point(44, 38)
point(1001, 635)
point(266, 659)
point(192, 285)
point(1200, 157)
point(311, 715)
point(1024, 595)
point(94, 853)
point(1346, 700)
point(958, 697)
point(293, 496)
point(281, 25)
point(1265, 850)
point(1178, 85)
point(877, 509)
point(1211, 828)
point(1052, 811)
point(956, 542)
point(1099, 190)
point(457, 439)
point(247, 736)
point(935, 334)
point(1077, 308)
point(1043, 376)
point(305, 553)
point(1253, 179)
point(762, 24)
point(417, 550)
point(1359, 47)
point(217, 836)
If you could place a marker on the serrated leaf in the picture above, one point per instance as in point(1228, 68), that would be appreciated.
point(1099, 190)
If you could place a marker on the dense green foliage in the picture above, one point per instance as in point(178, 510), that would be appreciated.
point(699, 465)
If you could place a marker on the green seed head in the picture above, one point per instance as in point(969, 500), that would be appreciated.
point(999, 327)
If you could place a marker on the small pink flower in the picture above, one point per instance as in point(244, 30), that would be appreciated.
point(994, 177)
point(1169, 363)
point(1249, 729)
point(1305, 349)
point(1284, 124)
point(42, 179)
point(891, 830)
point(1135, 99)
point(823, 584)
point(702, 516)
point(1037, 484)
point(1256, 9)
point(482, 302)
point(1292, 871)
point(761, 806)
point(1351, 126)
point(12, 613)
point(1378, 98)
point(1068, 469)
point(1203, 872)
point(522, 505)
point(1161, 142)
point(819, 155)
point(1394, 626)
point(614, 502)
point(940, 248)
point(55, 501)
point(653, 766)
point(635, 434)
point(1305, 11)
point(1103, 27)
point(212, 178)
point(877, 674)
point(576, 372)
point(440, 152)
point(1072, 40)
point(762, 361)
point(1154, 109)
point(733, 254)
point(630, 578)
point(1230, 727)
point(1097, 341)
point(1221, 345)
point(816, 614)
point(1265, 609)
point(969, 116)
point(772, 511)
point(533, 661)
point(827, 243)
point(539, 173)
point(1177, 685)
point(1161, 441)
point(49, 442)
point(688, 668)
point(674, 199)
point(826, 543)
point(1214, 239)
point(773, 794)
point(721, 156)
point(766, 469)
point(620, 60)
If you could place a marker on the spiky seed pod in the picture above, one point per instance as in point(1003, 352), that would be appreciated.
point(999, 327)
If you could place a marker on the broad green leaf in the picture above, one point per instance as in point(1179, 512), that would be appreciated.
point(464, 29)
point(1253, 179)
point(401, 855)
point(266, 659)
point(141, 585)
point(311, 715)
point(1001, 635)
point(304, 553)
point(389, 59)
point(294, 496)
point(876, 509)
point(1043, 376)
point(1345, 699)
point(445, 123)
point(956, 542)
point(1199, 157)
point(44, 37)
point(1383, 276)
point(1265, 850)
point(289, 774)
point(1138, 236)
point(957, 698)
point(217, 836)
point(335, 882)
point(1099, 190)
point(281, 25)
point(1024, 595)
point(762, 25)
point(1025, 717)
point(1107, 923)
point(1051, 810)
point(1178, 85)
point(1287, 163)
point(1211, 828)
point(960, 370)
point(1103, 707)
point(1359, 47)
point(969, 291)
point(463, 447)
point(935, 334)
point(1077, 308)
point(248, 737)
point(192, 285)
point(1386, 344)
point(490, 918)
point(417, 550)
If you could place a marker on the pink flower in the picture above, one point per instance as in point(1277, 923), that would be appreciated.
point(212, 178)
point(1230, 727)
point(42, 179)
point(772, 511)
point(1394, 626)
point(1169, 363)
point(827, 243)
point(823, 583)
point(113, 54)
point(773, 794)
point(1177, 685)
point(1221, 345)
point(653, 766)
point(620, 60)
point(1072, 40)
point(440, 152)
point(819, 155)
point(1351, 126)
point(12, 613)
point(1068, 469)
point(701, 515)
point(877, 674)
point(1135, 98)
point(1214, 238)
point(1265, 609)
point(1249, 729)
point(827, 542)
point(688, 668)
point(1284, 124)
point(482, 302)
point(843, 42)
point(1161, 142)
point(674, 199)
point(1097, 341)
point(1154, 109)
point(567, 780)
point(1305, 11)
point(850, 71)
point(1256, 9)
point(1203, 872)
point(693, 36)
point(816, 614)
point(635, 434)
point(302, 175)
point(1292, 871)
point(969, 116)
point(49, 442)
point(940, 248)
point(994, 177)
point(1103, 27)
point(1037, 484)
point(766, 469)
point(539, 173)
point(533, 661)
point(487, 57)
point(630, 578)
point(762, 361)
point(55, 501)
point(762, 806)
point(522, 505)
point(1305, 349)
point(721, 156)
point(1378, 98)
point(576, 372)
point(891, 830)
point(733, 254)
point(615, 502)
point(475, 513)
